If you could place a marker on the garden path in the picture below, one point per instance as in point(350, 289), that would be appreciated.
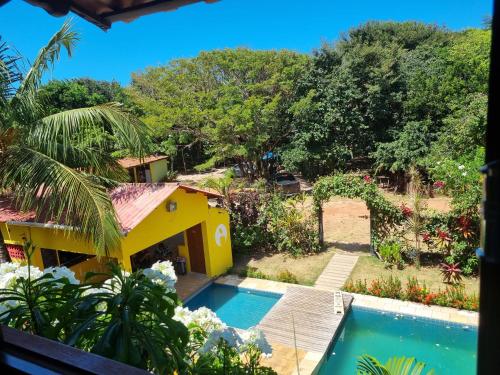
point(336, 272)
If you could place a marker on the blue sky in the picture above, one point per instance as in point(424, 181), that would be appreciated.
point(260, 24)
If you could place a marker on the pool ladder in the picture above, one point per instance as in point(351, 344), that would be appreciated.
point(338, 302)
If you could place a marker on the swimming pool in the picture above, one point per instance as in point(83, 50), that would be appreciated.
point(448, 348)
point(237, 307)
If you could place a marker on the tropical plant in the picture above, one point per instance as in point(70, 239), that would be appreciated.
point(223, 185)
point(452, 274)
point(390, 252)
point(129, 318)
point(32, 300)
point(368, 365)
point(46, 161)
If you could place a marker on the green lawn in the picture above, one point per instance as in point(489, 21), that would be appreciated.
point(369, 268)
point(306, 268)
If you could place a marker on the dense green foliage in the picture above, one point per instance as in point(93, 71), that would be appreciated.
point(269, 221)
point(220, 105)
point(391, 94)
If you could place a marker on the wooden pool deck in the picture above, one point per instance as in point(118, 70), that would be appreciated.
point(304, 318)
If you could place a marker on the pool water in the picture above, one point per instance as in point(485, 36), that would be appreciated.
point(448, 348)
point(237, 307)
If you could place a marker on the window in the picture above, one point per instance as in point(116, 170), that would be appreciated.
point(54, 258)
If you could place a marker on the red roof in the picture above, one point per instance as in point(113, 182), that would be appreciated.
point(134, 162)
point(132, 202)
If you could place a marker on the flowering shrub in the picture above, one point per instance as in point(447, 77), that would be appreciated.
point(133, 318)
point(162, 273)
point(214, 345)
point(452, 296)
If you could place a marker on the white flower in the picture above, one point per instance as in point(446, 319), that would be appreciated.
point(183, 315)
point(162, 273)
point(62, 273)
point(461, 166)
point(228, 334)
point(207, 320)
point(34, 272)
point(464, 174)
point(256, 337)
point(8, 267)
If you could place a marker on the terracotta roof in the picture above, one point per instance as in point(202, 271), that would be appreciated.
point(104, 12)
point(132, 202)
point(134, 162)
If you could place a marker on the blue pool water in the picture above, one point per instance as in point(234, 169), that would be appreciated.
point(237, 307)
point(446, 347)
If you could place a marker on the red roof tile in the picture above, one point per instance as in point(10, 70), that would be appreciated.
point(132, 202)
point(134, 162)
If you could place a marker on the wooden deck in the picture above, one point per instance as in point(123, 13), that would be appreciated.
point(336, 272)
point(307, 311)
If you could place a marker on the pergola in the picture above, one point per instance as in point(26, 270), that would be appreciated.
point(103, 13)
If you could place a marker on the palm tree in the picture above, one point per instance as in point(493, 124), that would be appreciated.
point(368, 365)
point(47, 162)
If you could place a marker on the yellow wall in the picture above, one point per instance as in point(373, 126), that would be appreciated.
point(159, 170)
point(192, 209)
point(217, 240)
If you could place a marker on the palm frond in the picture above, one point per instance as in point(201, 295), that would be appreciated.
point(47, 56)
point(368, 365)
point(87, 160)
point(65, 126)
point(61, 194)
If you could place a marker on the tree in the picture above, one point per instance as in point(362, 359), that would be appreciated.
point(353, 95)
point(45, 163)
point(224, 105)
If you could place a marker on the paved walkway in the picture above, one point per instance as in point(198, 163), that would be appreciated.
point(336, 272)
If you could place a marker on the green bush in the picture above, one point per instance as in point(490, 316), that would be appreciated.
point(272, 222)
point(390, 252)
point(287, 277)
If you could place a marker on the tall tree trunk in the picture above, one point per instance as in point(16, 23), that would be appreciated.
point(4, 254)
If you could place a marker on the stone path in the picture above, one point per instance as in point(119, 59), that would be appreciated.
point(336, 272)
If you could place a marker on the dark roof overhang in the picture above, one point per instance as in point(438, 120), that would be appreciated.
point(103, 13)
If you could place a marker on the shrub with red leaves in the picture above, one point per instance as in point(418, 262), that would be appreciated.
point(452, 274)
point(405, 210)
point(438, 184)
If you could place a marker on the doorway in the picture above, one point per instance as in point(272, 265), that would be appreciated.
point(196, 251)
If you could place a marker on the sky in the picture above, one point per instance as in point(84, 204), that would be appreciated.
point(299, 25)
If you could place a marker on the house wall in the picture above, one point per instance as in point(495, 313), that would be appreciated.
point(159, 170)
point(192, 209)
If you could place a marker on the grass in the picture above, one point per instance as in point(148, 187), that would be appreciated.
point(369, 268)
point(305, 269)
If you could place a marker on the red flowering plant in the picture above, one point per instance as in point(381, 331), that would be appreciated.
point(367, 179)
point(443, 240)
point(452, 274)
point(438, 185)
point(405, 210)
point(465, 226)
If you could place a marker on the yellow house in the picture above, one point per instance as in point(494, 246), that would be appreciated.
point(158, 221)
point(149, 169)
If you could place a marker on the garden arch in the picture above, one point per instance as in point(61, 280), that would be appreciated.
point(384, 215)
